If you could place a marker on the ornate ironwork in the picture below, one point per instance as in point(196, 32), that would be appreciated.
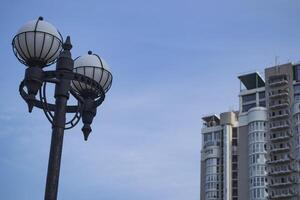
point(91, 95)
point(48, 108)
point(24, 55)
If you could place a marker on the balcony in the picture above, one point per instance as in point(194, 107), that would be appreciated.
point(280, 161)
point(211, 144)
point(279, 105)
point(278, 79)
point(280, 149)
point(279, 116)
point(279, 126)
point(279, 93)
point(282, 196)
point(282, 137)
point(278, 82)
point(280, 184)
point(281, 172)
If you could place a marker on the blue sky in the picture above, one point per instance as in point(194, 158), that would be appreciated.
point(173, 61)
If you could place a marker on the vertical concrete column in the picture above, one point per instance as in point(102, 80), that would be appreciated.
point(227, 154)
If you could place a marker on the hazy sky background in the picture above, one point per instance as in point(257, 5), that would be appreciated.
point(173, 61)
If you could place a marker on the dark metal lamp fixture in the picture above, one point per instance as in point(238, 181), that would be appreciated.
point(39, 44)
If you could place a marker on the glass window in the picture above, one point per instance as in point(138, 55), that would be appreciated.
point(249, 97)
point(234, 133)
point(297, 73)
point(234, 175)
point(234, 183)
point(207, 137)
point(234, 158)
point(234, 142)
point(262, 103)
point(234, 166)
point(234, 192)
point(297, 97)
point(262, 95)
point(297, 89)
point(248, 107)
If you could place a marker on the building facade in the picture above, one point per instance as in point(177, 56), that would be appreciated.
point(217, 156)
point(282, 83)
point(253, 137)
point(254, 153)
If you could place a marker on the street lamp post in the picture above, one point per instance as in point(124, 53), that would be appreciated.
point(39, 44)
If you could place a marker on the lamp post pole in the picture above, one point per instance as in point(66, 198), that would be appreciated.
point(62, 88)
point(37, 45)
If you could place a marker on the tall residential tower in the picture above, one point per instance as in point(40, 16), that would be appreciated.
point(254, 153)
point(282, 92)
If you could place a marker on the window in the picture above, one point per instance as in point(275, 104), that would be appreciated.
point(207, 137)
point(262, 95)
point(249, 97)
point(234, 183)
point(217, 135)
point(234, 133)
point(297, 89)
point(262, 103)
point(234, 142)
point(234, 192)
point(248, 107)
point(297, 73)
point(234, 175)
point(234, 158)
point(234, 166)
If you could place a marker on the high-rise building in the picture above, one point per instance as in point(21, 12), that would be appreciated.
point(219, 157)
point(254, 153)
point(252, 138)
point(282, 92)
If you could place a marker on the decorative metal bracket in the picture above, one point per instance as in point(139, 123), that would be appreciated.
point(48, 108)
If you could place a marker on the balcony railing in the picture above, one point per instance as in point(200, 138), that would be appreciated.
point(279, 126)
point(279, 105)
point(282, 137)
point(280, 149)
point(277, 149)
point(280, 184)
point(279, 116)
point(212, 143)
point(278, 82)
point(281, 93)
point(282, 196)
point(284, 160)
point(280, 172)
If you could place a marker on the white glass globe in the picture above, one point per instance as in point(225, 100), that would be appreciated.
point(94, 67)
point(37, 43)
